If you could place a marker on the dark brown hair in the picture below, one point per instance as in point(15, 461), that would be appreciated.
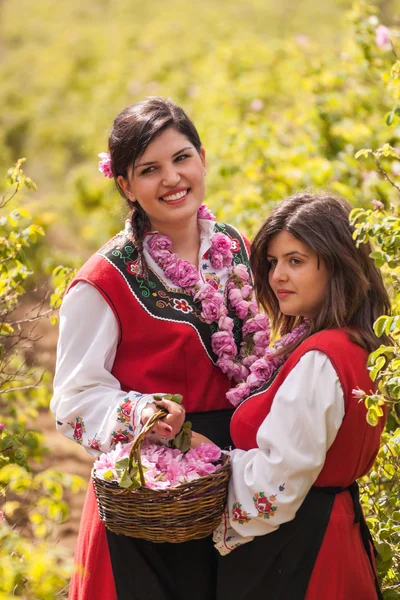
point(133, 130)
point(356, 294)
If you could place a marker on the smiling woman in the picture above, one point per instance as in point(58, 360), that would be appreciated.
point(149, 312)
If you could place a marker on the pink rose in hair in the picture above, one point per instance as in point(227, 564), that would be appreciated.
point(105, 164)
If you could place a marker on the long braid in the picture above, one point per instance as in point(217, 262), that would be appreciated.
point(140, 224)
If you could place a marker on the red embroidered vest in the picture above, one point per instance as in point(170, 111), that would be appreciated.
point(164, 344)
point(355, 447)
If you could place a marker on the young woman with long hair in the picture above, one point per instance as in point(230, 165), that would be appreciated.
point(294, 527)
point(149, 314)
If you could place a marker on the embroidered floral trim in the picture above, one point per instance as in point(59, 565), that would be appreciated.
point(264, 505)
point(79, 429)
point(94, 443)
point(124, 411)
point(239, 515)
point(121, 435)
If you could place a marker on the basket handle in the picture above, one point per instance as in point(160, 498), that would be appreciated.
point(137, 444)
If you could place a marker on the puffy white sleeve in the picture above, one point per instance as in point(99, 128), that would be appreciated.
point(88, 403)
point(270, 482)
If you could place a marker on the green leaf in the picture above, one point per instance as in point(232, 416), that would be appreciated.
point(363, 152)
point(380, 324)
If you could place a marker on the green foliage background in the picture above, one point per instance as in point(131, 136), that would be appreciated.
point(283, 94)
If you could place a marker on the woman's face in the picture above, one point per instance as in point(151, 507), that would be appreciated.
point(167, 180)
point(297, 277)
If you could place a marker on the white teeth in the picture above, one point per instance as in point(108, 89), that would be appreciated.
point(175, 196)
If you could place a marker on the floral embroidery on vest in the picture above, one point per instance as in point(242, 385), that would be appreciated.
point(79, 429)
point(239, 515)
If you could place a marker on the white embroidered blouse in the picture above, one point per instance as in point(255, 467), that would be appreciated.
point(274, 478)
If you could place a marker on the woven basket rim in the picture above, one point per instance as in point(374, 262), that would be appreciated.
point(113, 485)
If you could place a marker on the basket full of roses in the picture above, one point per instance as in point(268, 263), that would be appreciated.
point(161, 493)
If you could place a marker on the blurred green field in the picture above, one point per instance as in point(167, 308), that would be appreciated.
point(280, 92)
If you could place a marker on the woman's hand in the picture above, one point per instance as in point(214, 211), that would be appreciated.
point(171, 424)
point(198, 439)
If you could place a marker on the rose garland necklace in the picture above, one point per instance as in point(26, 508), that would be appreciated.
point(255, 362)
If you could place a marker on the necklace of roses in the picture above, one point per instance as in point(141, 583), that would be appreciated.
point(254, 362)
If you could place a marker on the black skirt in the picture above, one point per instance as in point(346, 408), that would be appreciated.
point(148, 571)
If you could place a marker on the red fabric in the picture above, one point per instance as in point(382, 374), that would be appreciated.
point(342, 569)
point(174, 365)
point(92, 578)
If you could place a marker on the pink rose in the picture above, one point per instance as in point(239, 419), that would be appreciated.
point(241, 309)
point(159, 242)
point(262, 369)
point(212, 308)
point(206, 291)
point(105, 164)
point(249, 360)
point(223, 344)
point(1, 426)
point(217, 261)
point(232, 368)
point(221, 244)
point(182, 273)
point(359, 394)
point(241, 272)
point(204, 213)
point(238, 393)
point(253, 381)
point(377, 204)
point(234, 296)
point(225, 323)
point(261, 338)
point(204, 452)
point(246, 291)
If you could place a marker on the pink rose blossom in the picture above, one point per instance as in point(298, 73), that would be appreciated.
point(253, 381)
point(206, 291)
point(225, 323)
point(247, 291)
point(241, 309)
point(241, 272)
point(359, 394)
point(217, 261)
point(223, 344)
point(205, 453)
point(221, 244)
point(1, 426)
point(105, 164)
point(377, 204)
point(263, 369)
point(212, 308)
point(238, 393)
point(234, 369)
point(261, 338)
point(382, 37)
point(205, 213)
point(235, 297)
point(159, 242)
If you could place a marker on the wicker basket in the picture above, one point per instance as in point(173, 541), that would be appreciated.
point(190, 511)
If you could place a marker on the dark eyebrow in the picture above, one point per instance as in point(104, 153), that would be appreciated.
point(152, 162)
point(290, 253)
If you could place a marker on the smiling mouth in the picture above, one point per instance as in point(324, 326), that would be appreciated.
point(172, 198)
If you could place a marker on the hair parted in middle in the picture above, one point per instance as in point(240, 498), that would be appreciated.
point(356, 293)
point(132, 132)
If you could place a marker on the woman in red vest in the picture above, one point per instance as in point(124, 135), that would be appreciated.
point(294, 528)
point(149, 314)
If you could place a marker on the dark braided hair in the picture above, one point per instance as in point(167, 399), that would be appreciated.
point(133, 130)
